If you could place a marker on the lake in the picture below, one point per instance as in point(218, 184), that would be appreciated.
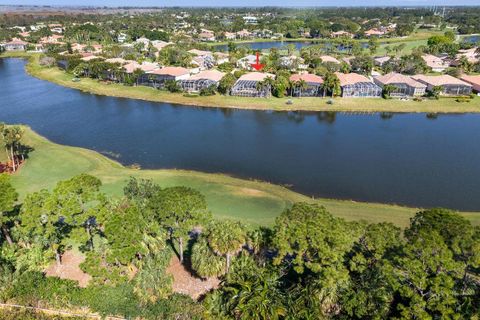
point(265, 45)
point(407, 159)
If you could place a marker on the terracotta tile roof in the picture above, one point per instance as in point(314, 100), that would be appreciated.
point(145, 67)
point(214, 75)
point(307, 77)
point(17, 41)
point(434, 62)
point(200, 52)
point(329, 59)
point(351, 78)
point(256, 76)
point(116, 60)
point(393, 77)
point(439, 80)
point(473, 80)
point(172, 71)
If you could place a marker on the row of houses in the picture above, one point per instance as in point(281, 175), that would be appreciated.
point(352, 85)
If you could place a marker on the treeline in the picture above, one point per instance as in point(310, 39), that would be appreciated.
point(308, 265)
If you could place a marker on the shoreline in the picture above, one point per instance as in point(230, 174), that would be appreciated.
point(252, 201)
point(444, 105)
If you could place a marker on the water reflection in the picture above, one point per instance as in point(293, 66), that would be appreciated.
point(407, 159)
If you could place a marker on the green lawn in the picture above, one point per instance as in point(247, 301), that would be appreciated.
point(252, 202)
point(444, 105)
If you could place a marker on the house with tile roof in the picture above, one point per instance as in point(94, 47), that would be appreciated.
point(405, 85)
point(437, 64)
point(248, 85)
point(355, 85)
point(202, 80)
point(473, 80)
point(451, 86)
point(313, 85)
point(158, 77)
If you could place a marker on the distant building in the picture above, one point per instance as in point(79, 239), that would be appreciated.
point(357, 86)
point(380, 61)
point(341, 34)
point(329, 59)
point(250, 20)
point(15, 45)
point(435, 63)
point(405, 85)
point(122, 37)
point(374, 33)
point(246, 62)
point(450, 86)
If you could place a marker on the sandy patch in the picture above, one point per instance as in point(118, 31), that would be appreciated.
point(69, 269)
point(186, 283)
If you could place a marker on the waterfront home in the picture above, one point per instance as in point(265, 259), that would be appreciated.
point(252, 84)
point(15, 45)
point(473, 80)
point(374, 33)
point(158, 77)
point(230, 36)
point(450, 86)
point(355, 85)
point(313, 85)
point(437, 64)
point(405, 85)
point(202, 80)
point(206, 35)
point(341, 34)
point(244, 34)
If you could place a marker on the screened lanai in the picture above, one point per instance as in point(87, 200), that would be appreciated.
point(249, 88)
point(361, 89)
point(195, 85)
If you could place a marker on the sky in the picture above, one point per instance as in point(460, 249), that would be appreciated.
point(243, 3)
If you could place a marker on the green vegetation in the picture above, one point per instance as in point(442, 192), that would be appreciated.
point(443, 105)
point(250, 201)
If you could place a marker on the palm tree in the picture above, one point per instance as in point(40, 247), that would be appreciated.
point(387, 90)
point(11, 138)
point(226, 238)
point(301, 85)
point(331, 83)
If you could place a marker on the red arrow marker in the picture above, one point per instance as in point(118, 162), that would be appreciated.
point(258, 66)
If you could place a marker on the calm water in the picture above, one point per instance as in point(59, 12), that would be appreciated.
point(267, 45)
point(408, 159)
point(280, 44)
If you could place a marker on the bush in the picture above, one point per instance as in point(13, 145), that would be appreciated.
point(462, 99)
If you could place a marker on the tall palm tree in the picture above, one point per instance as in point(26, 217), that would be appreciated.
point(301, 85)
point(226, 238)
point(331, 83)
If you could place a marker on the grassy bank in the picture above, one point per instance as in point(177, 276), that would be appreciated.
point(444, 105)
point(250, 201)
